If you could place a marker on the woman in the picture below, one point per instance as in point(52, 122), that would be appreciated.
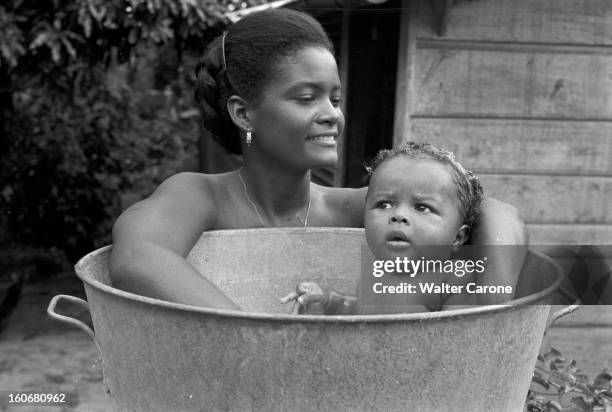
point(268, 90)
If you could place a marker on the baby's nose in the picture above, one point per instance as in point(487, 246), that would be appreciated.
point(398, 218)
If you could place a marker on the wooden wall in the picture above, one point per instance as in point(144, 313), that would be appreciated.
point(521, 91)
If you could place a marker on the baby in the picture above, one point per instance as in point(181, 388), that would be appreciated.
point(419, 196)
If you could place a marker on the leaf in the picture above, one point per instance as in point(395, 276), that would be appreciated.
point(571, 368)
point(86, 23)
point(55, 52)
point(580, 402)
point(553, 357)
point(582, 378)
point(602, 381)
point(133, 36)
point(568, 377)
point(69, 48)
point(40, 39)
point(554, 352)
point(540, 381)
point(554, 405)
point(97, 14)
point(585, 389)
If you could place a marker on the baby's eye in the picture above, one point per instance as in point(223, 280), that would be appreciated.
point(423, 208)
point(383, 204)
point(336, 101)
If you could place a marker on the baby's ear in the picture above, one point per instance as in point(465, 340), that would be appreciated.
point(462, 236)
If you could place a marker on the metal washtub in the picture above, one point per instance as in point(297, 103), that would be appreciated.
point(164, 356)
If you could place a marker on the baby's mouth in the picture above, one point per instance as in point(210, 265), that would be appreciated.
point(397, 240)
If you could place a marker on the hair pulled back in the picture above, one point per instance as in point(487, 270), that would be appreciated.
point(254, 48)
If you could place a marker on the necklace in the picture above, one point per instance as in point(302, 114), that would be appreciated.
point(246, 195)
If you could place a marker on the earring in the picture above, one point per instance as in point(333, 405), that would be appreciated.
point(249, 137)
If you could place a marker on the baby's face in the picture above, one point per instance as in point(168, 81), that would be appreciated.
point(412, 203)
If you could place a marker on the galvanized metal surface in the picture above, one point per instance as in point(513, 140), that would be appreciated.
point(164, 356)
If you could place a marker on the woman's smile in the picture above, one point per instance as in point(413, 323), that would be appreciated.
point(327, 140)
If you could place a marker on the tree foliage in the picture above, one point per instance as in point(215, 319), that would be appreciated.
point(74, 135)
point(558, 385)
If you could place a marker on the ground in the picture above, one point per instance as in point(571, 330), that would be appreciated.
point(38, 353)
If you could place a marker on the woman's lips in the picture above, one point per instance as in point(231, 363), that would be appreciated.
point(322, 140)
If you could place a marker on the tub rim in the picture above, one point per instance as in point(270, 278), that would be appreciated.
point(335, 319)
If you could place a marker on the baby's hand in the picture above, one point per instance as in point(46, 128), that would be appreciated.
point(308, 298)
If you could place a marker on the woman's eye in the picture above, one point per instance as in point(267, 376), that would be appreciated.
point(423, 208)
point(305, 98)
point(383, 204)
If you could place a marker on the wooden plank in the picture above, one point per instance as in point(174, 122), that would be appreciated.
point(554, 199)
point(456, 82)
point(405, 63)
point(340, 168)
point(591, 348)
point(544, 21)
point(570, 234)
point(521, 145)
point(513, 47)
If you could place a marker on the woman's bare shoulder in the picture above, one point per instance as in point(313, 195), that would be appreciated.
point(190, 187)
point(183, 203)
point(346, 204)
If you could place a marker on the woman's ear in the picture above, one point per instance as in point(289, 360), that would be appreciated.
point(462, 236)
point(237, 108)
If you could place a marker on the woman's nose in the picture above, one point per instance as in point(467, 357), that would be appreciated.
point(329, 113)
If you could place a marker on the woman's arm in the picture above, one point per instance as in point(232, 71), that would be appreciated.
point(502, 238)
point(152, 238)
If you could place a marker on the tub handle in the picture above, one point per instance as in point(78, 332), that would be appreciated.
point(566, 310)
point(67, 319)
point(562, 312)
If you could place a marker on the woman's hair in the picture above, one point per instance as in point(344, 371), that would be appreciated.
point(254, 50)
point(469, 190)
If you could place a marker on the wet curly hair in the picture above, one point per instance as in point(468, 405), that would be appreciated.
point(255, 49)
point(469, 189)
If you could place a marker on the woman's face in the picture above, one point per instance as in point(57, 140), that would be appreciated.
point(298, 118)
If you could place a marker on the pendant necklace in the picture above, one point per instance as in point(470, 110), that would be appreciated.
point(246, 195)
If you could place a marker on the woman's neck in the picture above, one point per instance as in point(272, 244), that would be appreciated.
point(276, 191)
